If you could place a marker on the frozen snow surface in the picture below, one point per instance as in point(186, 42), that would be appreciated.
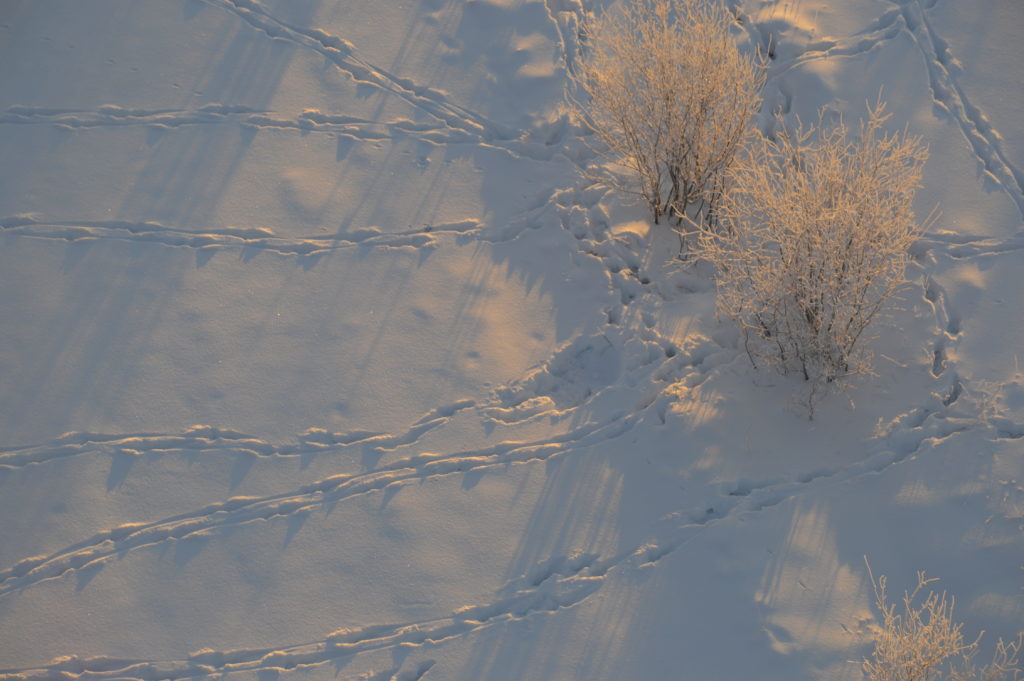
point(320, 360)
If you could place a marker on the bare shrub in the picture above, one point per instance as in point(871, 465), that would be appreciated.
point(1003, 666)
point(813, 242)
point(669, 97)
point(921, 642)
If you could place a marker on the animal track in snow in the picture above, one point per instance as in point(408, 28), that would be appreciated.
point(556, 584)
point(343, 55)
point(764, 34)
point(650, 366)
point(207, 441)
point(236, 511)
point(254, 238)
point(563, 584)
point(589, 367)
point(220, 114)
point(984, 140)
point(309, 121)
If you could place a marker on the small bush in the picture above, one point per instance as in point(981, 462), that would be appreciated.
point(922, 643)
point(812, 243)
point(670, 98)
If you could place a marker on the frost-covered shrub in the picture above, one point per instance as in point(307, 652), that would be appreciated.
point(921, 642)
point(812, 243)
point(669, 97)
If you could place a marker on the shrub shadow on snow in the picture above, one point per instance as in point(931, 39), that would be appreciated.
point(707, 442)
point(116, 295)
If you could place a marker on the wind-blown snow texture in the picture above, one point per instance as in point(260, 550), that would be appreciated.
point(320, 360)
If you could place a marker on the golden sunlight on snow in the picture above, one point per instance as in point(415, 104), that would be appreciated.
point(806, 585)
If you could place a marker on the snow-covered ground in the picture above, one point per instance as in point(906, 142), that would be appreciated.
point(319, 359)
